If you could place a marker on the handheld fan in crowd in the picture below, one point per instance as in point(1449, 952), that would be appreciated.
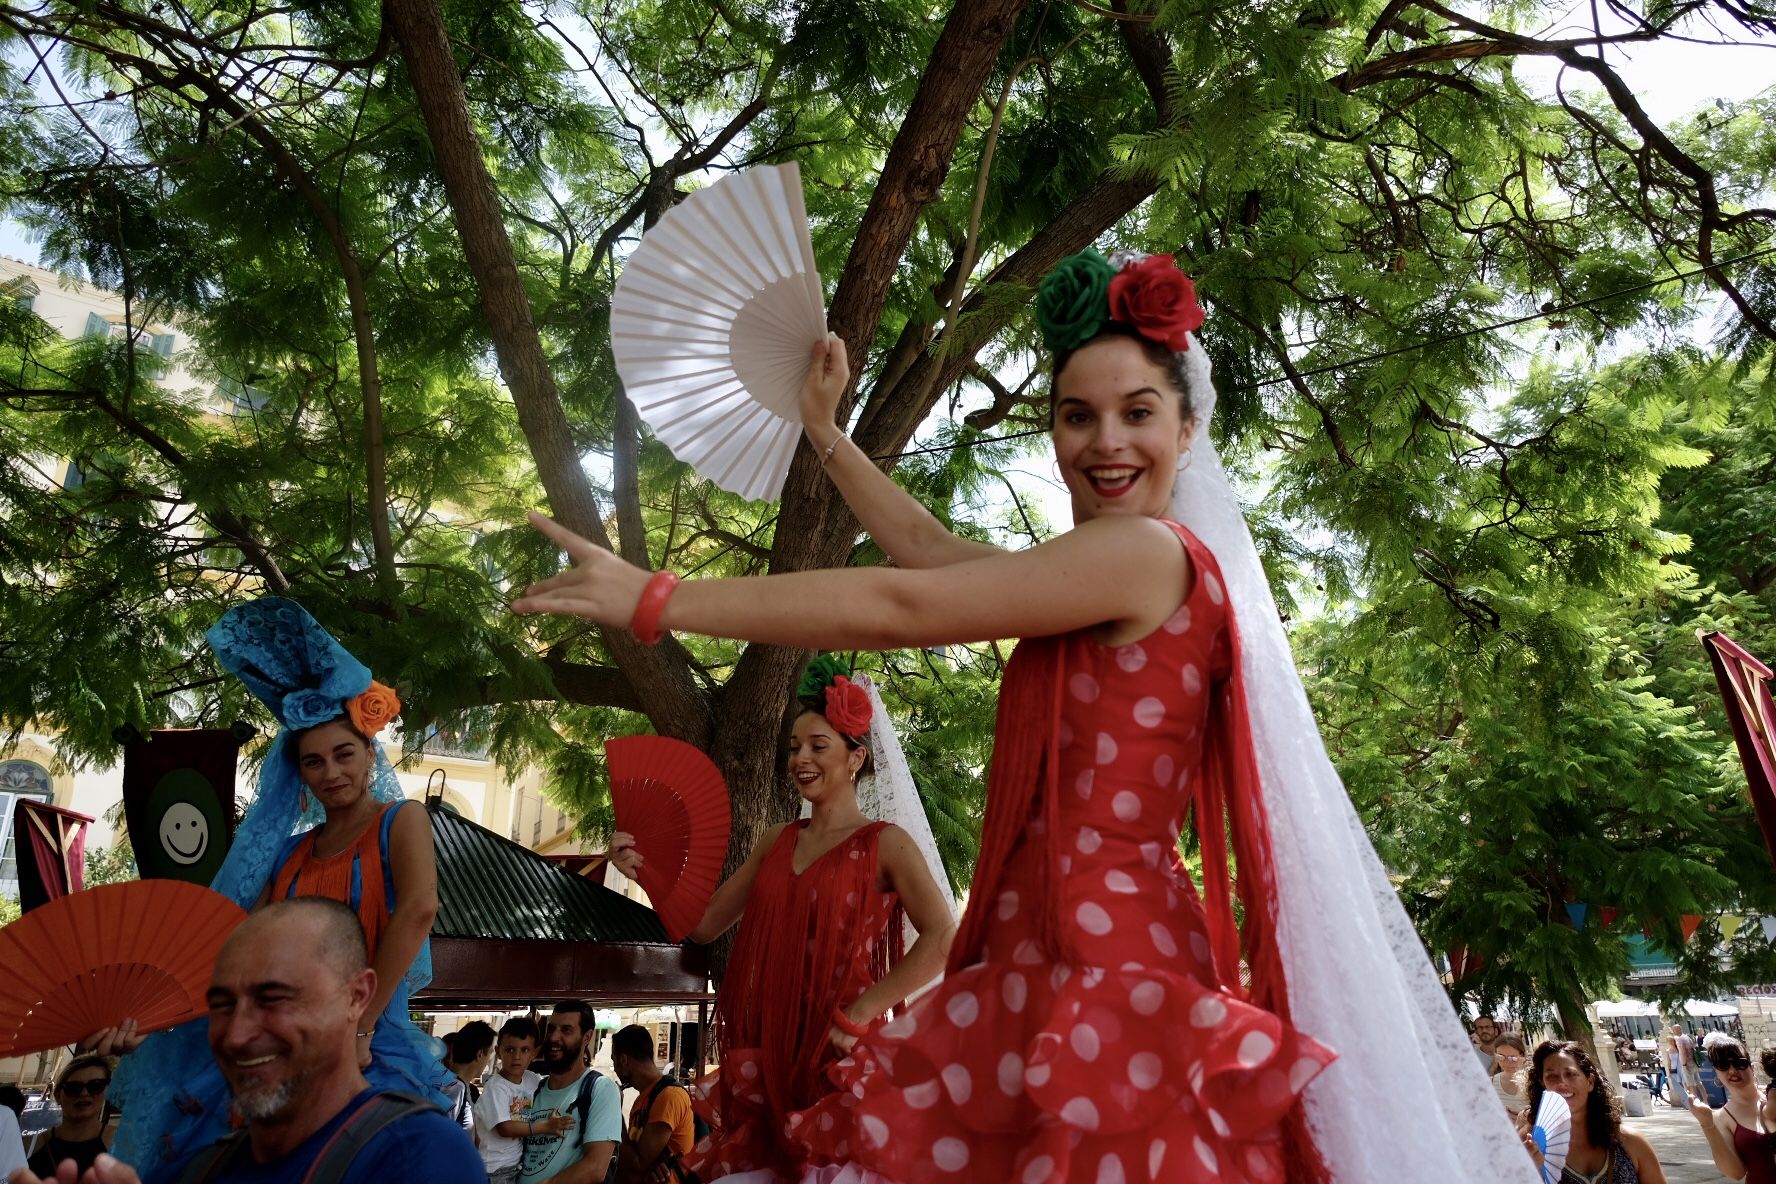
point(93, 959)
point(673, 800)
point(1551, 1132)
point(712, 322)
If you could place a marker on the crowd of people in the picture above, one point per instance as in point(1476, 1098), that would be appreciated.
point(1740, 1130)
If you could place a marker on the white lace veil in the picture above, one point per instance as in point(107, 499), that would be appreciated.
point(889, 794)
point(1407, 1098)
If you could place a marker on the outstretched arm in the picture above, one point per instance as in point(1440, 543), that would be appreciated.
point(1124, 573)
point(894, 518)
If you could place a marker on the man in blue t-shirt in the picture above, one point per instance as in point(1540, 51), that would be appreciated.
point(576, 1117)
point(287, 999)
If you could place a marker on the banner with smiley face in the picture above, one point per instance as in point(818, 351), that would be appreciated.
point(178, 797)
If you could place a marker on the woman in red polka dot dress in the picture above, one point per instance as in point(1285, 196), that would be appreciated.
point(1101, 1019)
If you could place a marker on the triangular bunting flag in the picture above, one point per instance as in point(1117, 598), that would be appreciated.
point(1609, 914)
point(1575, 912)
point(1689, 922)
point(1730, 926)
point(1768, 924)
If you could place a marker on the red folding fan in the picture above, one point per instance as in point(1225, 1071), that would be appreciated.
point(92, 959)
point(673, 800)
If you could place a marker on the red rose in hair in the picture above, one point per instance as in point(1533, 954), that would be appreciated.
point(847, 707)
point(1158, 300)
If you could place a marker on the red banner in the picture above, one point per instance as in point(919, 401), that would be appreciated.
point(50, 845)
point(1745, 689)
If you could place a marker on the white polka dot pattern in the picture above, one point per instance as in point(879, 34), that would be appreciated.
point(1104, 1052)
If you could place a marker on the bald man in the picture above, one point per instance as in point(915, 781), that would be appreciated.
point(287, 998)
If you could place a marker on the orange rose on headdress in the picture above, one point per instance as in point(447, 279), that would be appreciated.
point(371, 711)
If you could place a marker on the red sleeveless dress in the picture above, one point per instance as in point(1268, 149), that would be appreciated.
point(1093, 1026)
point(1757, 1151)
point(808, 943)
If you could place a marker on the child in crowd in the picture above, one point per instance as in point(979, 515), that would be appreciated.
point(505, 1097)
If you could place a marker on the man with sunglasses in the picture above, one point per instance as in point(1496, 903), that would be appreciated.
point(79, 1136)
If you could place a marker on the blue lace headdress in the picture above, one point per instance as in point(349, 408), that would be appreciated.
point(304, 677)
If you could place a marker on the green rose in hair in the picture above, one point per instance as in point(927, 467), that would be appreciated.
point(819, 675)
point(1073, 301)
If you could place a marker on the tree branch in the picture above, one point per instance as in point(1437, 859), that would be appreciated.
point(674, 703)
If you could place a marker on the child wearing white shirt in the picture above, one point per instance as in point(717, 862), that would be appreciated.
point(499, 1115)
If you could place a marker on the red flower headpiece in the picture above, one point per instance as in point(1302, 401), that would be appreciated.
point(1158, 300)
point(1086, 291)
point(847, 708)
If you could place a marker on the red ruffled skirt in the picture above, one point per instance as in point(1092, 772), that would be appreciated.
point(1126, 1065)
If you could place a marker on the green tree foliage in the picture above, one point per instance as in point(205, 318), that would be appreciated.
point(1576, 752)
point(408, 319)
point(111, 865)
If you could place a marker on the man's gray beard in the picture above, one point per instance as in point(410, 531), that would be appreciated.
point(267, 1103)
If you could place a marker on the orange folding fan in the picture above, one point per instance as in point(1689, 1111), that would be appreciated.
point(673, 800)
point(92, 959)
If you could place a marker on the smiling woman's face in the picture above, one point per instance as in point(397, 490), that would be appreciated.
point(820, 761)
point(1119, 429)
point(1562, 1075)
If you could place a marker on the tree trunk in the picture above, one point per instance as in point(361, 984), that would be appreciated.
point(1574, 1025)
point(674, 702)
point(814, 526)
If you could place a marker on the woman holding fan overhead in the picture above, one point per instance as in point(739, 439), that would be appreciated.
point(819, 957)
point(329, 819)
point(1100, 1017)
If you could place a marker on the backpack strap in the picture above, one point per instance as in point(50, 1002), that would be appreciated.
point(583, 1101)
point(653, 1094)
point(583, 1107)
point(215, 1159)
point(371, 1117)
point(388, 871)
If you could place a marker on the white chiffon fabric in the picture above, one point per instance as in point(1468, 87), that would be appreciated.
point(1407, 1098)
point(890, 795)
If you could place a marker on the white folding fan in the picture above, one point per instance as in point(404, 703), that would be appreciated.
point(712, 322)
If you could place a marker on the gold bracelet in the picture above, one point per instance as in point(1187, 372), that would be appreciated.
point(827, 455)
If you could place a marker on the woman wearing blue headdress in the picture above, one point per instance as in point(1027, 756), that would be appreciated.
point(329, 820)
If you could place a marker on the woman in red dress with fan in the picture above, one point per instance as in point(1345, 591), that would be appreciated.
point(1100, 1019)
point(819, 955)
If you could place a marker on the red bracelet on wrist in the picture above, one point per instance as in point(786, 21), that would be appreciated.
point(847, 1025)
point(645, 624)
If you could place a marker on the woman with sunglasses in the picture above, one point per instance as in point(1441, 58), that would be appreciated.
point(1741, 1134)
point(1508, 1054)
point(80, 1135)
